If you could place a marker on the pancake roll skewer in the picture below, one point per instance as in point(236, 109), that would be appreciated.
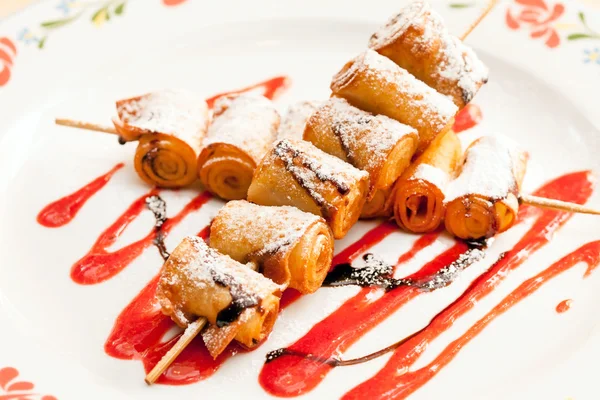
point(243, 128)
point(238, 303)
point(293, 123)
point(296, 173)
point(484, 199)
point(417, 198)
point(169, 127)
point(377, 144)
point(376, 84)
point(417, 40)
point(291, 247)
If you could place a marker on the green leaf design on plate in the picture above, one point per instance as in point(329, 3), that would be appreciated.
point(581, 17)
point(461, 5)
point(577, 36)
point(42, 42)
point(120, 8)
point(59, 22)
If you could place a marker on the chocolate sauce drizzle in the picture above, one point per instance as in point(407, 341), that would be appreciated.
point(286, 153)
point(241, 299)
point(377, 273)
point(159, 208)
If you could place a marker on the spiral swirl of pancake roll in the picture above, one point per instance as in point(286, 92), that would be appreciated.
point(483, 199)
point(169, 126)
point(296, 173)
point(376, 84)
point(376, 144)
point(418, 196)
point(417, 40)
point(243, 128)
point(291, 247)
point(239, 303)
point(293, 123)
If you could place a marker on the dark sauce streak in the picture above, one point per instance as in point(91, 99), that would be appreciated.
point(241, 299)
point(336, 362)
point(232, 312)
point(377, 273)
point(158, 207)
point(289, 155)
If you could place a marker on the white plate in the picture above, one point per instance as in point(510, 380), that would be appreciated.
point(53, 331)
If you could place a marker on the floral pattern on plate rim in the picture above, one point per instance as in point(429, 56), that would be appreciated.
point(13, 389)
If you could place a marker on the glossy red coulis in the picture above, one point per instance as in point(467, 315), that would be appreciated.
point(564, 306)
point(100, 264)
point(574, 187)
point(269, 88)
point(467, 118)
point(62, 211)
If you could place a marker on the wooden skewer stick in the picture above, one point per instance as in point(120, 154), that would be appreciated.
point(556, 204)
point(483, 14)
point(86, 125)
point(189, 334)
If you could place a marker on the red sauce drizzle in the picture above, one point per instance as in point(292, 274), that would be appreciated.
point(99, 264)
point(564, 306)
point(575, 187)
point(62, 211)
point(467, 118)
point(269, 88)
point(291, 376)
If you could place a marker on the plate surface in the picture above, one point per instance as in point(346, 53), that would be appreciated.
point(53, 330)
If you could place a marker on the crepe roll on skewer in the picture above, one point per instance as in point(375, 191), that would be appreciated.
point(379, 206)
point(376, 144)
point(483, 199)
point(376, 84)
point(199, 282)
point(170, 127)
point(417, 40)
point(296, 173)
point(242, 130)
point(290, 246)
point(294, 121)
point(418, 196)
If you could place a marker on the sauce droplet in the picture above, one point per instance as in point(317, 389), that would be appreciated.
point(564, 306)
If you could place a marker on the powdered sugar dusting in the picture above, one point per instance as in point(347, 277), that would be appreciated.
point(412, 14)
point(171, 112)
point(431, 174)
point(435, 109)
point(458, 63)
point(311, 167)
point(247, 121)
point(203, 267)
point(282, 226)
point(293, 124)
point(452, 63)
point(488, 169)
point(362, 132)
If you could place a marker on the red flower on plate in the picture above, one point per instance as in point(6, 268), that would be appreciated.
point(538, 17)
point(13, 389)
point(173, 2)
point(8, 51)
